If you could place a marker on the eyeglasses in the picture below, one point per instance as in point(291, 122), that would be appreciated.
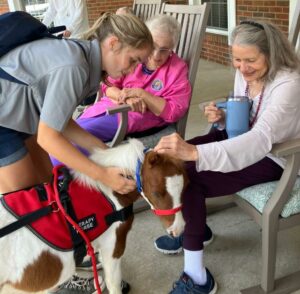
point(162, 51)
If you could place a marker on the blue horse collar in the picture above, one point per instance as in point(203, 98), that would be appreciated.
point(138, 172)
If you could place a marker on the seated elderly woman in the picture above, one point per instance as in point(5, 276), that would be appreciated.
point(268, 73)
point(158, 90)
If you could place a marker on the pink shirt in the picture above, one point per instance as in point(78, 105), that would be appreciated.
point(170, 82)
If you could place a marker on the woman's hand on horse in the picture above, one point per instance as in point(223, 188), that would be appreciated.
point(115, 179)
point(175, 146)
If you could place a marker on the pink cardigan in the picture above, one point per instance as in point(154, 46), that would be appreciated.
point(170, 82)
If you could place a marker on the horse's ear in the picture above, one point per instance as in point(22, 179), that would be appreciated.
point(154, 158)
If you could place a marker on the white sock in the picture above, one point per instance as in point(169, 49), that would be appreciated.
point(193, 266)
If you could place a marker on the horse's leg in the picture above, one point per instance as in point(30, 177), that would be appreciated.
point(113, 243)
point(111, 265)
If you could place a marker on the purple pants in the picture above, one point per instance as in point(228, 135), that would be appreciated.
point(206, 184)
point(104, 127)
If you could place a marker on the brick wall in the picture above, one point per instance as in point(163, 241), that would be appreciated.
point(276, 12)
point(215, 46)
point(3, 6)
point(96, 7)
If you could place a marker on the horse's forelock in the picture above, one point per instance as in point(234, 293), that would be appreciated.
point(139, 148)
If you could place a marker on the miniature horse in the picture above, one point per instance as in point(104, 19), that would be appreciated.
point(29, 264)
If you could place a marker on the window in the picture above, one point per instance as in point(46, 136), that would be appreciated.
point(36, 8)
point(218, 17)
point(222, 18)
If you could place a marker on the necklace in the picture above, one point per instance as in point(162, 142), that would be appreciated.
point(258, 106)
point(146, 70)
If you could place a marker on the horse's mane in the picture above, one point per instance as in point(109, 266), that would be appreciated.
point(124, 156)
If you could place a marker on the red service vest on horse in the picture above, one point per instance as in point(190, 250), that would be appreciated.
point(90, 207)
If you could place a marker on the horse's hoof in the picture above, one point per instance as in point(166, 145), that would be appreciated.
point(125, 287)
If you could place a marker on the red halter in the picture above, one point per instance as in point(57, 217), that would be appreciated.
point(167, 211)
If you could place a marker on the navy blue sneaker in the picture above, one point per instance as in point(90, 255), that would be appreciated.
point(185, 285)
point(173, 245)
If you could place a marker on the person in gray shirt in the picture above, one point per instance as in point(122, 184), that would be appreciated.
point(36, 117)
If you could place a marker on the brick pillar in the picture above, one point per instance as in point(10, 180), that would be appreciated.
point(3, 6)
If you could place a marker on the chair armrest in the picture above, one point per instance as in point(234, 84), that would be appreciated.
point(181, 125)
point(124, 108)
point(291, 151)
point(286, 148)
point(122, 127)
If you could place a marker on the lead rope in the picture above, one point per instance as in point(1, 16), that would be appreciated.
point(90, 249)
point(139, 180)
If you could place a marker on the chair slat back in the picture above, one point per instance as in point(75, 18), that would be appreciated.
point(193, 20)
point(145, 9)
point(294, 34)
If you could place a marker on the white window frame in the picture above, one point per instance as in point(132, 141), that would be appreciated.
point(291, 11)
point(15, 5)
point(231, 18)
point(291, 15)
point(19, 5)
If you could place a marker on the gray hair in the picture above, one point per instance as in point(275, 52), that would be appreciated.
point(124, 10)
point(166, 24)
point(271, 42)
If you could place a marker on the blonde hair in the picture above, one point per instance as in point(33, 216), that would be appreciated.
point(271, 42)
point(129, 30)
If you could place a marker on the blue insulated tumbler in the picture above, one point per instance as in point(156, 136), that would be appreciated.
point(237, 115)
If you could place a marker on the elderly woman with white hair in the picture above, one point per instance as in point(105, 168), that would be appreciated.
point(158, 90)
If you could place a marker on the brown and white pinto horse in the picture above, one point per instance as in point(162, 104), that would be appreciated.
point(29, 264)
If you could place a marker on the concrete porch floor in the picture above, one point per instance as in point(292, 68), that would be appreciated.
point(234, 258)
